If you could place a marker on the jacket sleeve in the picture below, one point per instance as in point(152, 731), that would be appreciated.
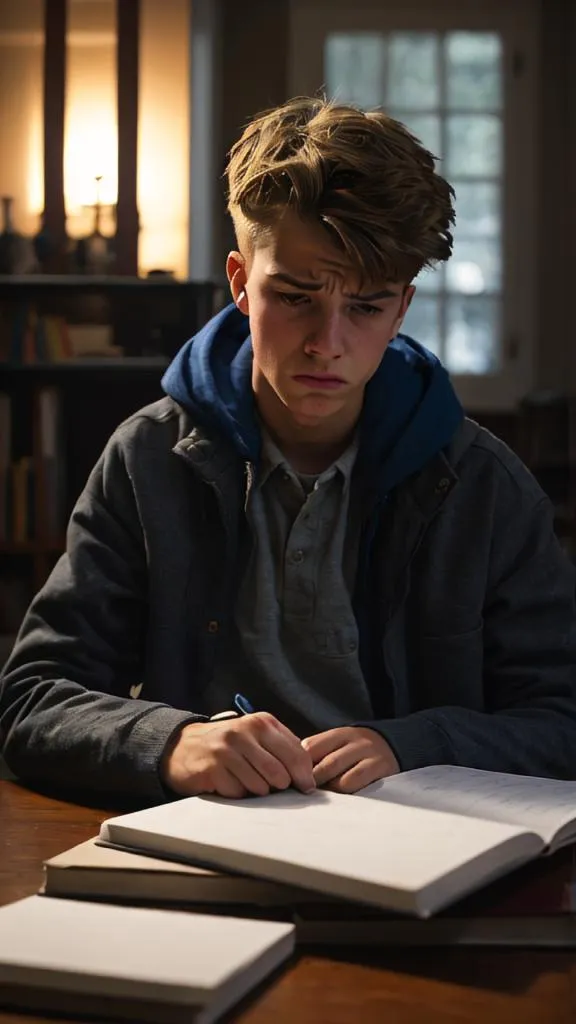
point(529, 647)
point(66, 715)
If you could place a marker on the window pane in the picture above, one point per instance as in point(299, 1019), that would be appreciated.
point(474, 71)
point(474, 146)
point(472, 335)
point(478, 210)
point(426, 128)
point(413, 80)
point(431, 280)
point(475, 266)
point(422, 322)
point(354, 68)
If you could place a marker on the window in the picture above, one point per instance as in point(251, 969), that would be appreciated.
point(447, 88)
point(455, 84)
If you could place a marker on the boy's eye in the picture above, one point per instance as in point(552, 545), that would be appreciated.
point(300, 299)
point(292, 298)
point(366, 309)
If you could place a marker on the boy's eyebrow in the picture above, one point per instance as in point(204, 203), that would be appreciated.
point(313, 286)
point(307, 286)
point(386, 293)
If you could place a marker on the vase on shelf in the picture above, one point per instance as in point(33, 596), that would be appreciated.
point(94, 254)
point(16, 252)
point(50, 258)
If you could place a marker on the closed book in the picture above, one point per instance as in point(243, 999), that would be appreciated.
point(535, 905)
point(413, 844)
point(544, 931)
point(93, 871)
point(132, 963)
point(5, 464)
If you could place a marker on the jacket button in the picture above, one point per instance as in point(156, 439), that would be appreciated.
point(443, 485)
point(213, 626)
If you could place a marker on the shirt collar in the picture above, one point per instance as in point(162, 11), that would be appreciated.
point(272, 460)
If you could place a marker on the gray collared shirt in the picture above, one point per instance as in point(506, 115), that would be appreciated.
point(294, 649)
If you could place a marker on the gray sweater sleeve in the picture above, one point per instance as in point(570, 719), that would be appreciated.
point(66, 714)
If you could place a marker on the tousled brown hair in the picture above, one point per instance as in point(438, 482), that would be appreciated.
point(360, 174)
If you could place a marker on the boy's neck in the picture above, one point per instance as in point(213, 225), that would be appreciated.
point(308, 448)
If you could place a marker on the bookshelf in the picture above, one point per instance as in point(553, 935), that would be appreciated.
point(56, 414)
point(79, 352)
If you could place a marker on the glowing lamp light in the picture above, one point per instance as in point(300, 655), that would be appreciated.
point(91, 135)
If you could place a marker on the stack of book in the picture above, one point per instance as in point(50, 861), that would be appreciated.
point(436, 856)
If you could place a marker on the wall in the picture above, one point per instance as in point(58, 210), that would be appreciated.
point(163, 128)
point(21, 64)
point(255, 61)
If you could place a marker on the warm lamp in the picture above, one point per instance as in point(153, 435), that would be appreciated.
point(91, 129)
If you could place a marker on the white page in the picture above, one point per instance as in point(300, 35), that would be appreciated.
point(344, 837)
point(153, 954)
point(540, 805)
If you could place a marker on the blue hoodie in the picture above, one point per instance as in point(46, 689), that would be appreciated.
point(410, 409)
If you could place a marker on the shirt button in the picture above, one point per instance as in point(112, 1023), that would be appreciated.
point(213, 626)
point(297, 557)
point(443, 485)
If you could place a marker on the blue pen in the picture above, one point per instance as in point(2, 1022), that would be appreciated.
point(243, 705)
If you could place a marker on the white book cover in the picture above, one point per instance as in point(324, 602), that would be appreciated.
point(404, 859)
point(413, 843)
point(144, 964)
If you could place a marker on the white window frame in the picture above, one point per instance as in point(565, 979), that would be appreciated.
point(517, 22)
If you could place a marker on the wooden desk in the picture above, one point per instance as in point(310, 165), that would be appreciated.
point(412, 987)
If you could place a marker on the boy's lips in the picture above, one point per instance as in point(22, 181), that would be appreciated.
point(320, 380)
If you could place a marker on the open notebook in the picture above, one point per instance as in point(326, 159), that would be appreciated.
point(154, 966)
point(413, 843)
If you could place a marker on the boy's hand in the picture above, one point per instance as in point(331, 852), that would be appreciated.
point(349, 758)
point(236, 757)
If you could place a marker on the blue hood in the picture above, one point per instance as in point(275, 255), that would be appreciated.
point(410, 409)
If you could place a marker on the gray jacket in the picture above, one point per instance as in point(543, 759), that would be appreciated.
point(465, 609)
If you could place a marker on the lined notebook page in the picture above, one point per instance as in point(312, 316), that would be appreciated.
point(346, 837)
point(540, 805)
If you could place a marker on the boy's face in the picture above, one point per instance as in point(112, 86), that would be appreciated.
point(317, 337)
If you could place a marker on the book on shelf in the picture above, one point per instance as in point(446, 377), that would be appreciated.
point(22, 491)
point(147, 965)
point(413, 844)
point(32, 483)
point(30, 337)
point(5, 464)
point(36, 337)
point(50, 462)
point(535, 905)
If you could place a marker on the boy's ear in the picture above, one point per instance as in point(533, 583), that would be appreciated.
point(236, 273)
point(407, 296)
